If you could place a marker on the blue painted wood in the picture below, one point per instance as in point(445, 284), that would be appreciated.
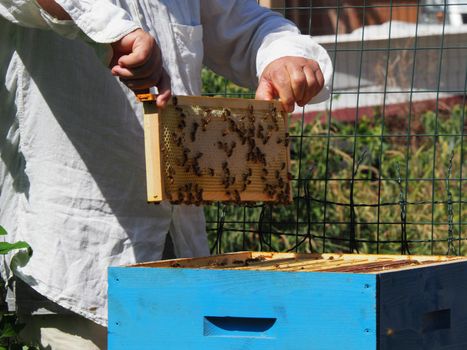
point(168, 308)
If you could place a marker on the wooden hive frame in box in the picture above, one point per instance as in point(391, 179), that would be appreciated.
point(203, 149)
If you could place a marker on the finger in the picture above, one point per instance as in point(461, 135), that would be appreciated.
point(280, 80)
point(144, 83)
point(265, 90)
point(165, 91)
point(298, 81)
point(143, 48)
point(142, 72)
point(315, 82)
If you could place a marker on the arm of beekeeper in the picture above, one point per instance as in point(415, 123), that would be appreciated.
point(134, 56)
point(244, 42)
point(101, 21)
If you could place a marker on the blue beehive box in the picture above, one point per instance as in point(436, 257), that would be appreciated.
point(251, 300)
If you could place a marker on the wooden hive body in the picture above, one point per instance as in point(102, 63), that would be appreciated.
point(252, 300)
point(202, 149)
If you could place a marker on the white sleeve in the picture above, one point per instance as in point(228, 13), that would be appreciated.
point(23, 12)
point(100, 20)
point(241, 38)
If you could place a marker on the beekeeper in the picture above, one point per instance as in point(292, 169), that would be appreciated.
point(72, 153)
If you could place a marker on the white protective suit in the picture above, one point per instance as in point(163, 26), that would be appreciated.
point(72, 155)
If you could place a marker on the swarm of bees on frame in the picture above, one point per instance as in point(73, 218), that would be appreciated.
point(241, 156)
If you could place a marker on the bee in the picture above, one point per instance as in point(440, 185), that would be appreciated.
point(211, 171)
point(193, 132)
point(225, 132)
point(273, 112)
point(197, 170)
point(232, 180)
point(182, 115)
point(181, 196)
point(259, 132)
point(283, 166)
point(263, 178)
point(280, 182)
point(171, 179)
point(190, 198)
point(199, 196)
point(198, 155)
point(206, 120)
point(232, 125)
point(220, 145)
point(178, 109)
point(237, 197)
point(278, 174)
point(266, 139)
point(181, 125)
point(265, 171)
point(225, 165)
point(289, 176)
point(175, 100)
point(250, 172)
point(286, 139)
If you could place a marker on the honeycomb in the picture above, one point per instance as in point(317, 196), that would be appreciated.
point(219, 149)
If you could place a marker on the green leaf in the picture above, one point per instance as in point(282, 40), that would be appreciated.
point(20, 259)
point(2, 231)
point(6, 247)
point(7, 331)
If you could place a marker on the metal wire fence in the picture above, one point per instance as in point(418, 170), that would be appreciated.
point(380, 167)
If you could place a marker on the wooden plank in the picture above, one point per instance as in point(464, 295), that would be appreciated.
point(154, 179)
point(174, 308)
point(219, 260)
point(305, 262)
point(228, 102)
point(424, 308)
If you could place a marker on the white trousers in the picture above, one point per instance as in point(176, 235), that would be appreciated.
point(63, 332)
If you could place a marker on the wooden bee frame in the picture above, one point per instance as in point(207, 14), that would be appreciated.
point(204, 149)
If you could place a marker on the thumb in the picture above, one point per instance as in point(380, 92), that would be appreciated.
point(265, 90)
point(163, 87)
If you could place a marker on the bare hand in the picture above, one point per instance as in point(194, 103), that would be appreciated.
point(137, 60)
point(292, 80)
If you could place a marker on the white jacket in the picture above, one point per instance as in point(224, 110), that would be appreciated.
point(72, 155)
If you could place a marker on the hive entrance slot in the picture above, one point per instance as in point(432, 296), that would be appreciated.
point(435, 320)
point(245, 327)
